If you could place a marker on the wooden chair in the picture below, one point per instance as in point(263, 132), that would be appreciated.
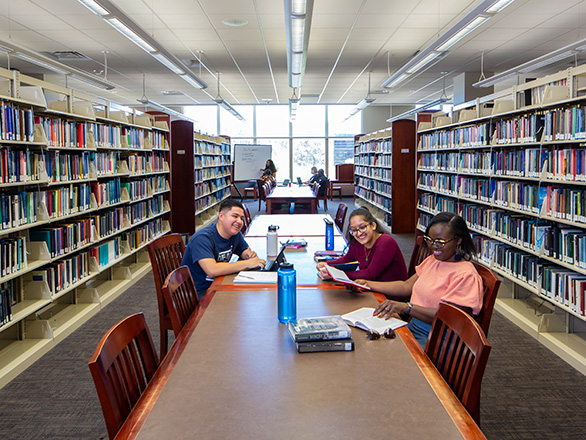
point(247, 214)
point(251, 189)
point(459, 349)
point(180, 296)
point(324, 197)
point(335, 189)
point(122, 365)
point(341, 216)
point(264, 190)
point(166, 254)
point(420, 253)
point(491, 287)
point(245, 225)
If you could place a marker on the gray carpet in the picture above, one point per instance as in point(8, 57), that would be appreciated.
point(528, 392)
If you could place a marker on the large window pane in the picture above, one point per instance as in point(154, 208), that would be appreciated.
point(272, 120)
point(340, 150)
point(206, 117)
point(311, 121)
point(308, 153)
point(231, 126)
point(280, 156)
point(338, 125)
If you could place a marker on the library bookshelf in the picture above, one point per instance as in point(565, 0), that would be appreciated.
point(83, 189)
point(200, 175)
point(384, 173)
point(513, 165)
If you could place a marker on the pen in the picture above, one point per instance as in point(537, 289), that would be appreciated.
point(247, 277)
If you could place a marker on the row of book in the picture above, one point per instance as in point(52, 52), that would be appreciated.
point(62, 274)
point(382, 188)
point(202, 147)
point(65, 133)
point(211, 161)
point(133, 137)
point(536, 94)
point(210, 173)
point(107, 136)
point(374, 160)
point(16, 124)
point(65, 238)
point(377, 199)
point(145, 209)
point(140, 236)
point(108, 192)
point(159, 140)
point(374, 146)
point(210, 186)
point(107, 252)
point(7, 299)
point(67, 199)
point(158, 162)
point(374, 173)
point(137, 189)
point(204, 203)
point(471, 136)
point(18, 165)
point(565, 124)
point(67, 167)
point(106, 163)
point(13, 255)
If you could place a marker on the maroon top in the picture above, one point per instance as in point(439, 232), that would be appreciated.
point(382, 262)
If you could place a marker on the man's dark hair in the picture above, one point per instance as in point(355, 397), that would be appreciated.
point(228, 204)
point(320, 172)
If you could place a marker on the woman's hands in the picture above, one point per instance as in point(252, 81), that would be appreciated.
point(323, 273)
point(388, 307)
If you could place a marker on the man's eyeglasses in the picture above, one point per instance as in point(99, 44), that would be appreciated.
point(360, 229)
point(439, 242)
point(373, 335)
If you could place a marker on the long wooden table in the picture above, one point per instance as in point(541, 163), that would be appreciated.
point(233, 372)
point(292, 194)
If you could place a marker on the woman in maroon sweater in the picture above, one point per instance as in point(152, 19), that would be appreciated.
point(377, 253)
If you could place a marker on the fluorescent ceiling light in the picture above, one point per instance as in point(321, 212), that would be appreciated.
point(296, 62)
point(195, 82)
point(298, 24)
point(548, 61)
point(41, 63)
point(167, 63)
point(297, 32)
point(165, 109)
point(99, 84)
point(299, 7)
point(226, 106)
point(416, 110)
point(499, 6)
point(495, 79)
point(359, 107)
point(94, 7)
point(462, 33)
point(5, 49)
point(391, 82)
point(295, 80)
point(129, 33)
point(431, 56)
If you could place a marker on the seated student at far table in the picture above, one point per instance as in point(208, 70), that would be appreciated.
point(445, 276)
point(313, 177)
point(377, 253)
point(210, 249)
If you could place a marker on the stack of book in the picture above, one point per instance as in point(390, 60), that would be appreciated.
point(327, 255)
point(326, 333)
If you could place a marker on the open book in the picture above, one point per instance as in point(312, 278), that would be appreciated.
point(341, 277)
point(363, 318)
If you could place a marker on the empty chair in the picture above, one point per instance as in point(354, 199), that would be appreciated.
point(491, 287)
point(459, 349)
point(180, 296)
point(335, 189)
point(166, 254)
point(123, 364)
point(341, 216)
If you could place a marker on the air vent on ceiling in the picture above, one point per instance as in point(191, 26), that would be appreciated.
point(69, 55)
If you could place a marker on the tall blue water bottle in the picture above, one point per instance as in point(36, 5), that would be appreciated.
point(286, 293)
point(329, 235)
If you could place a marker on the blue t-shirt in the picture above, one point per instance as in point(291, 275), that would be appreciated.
point(208, 243)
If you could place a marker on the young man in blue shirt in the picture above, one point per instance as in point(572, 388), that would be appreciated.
point(210, 249)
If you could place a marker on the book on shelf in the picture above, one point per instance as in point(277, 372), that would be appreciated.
point(319, 329)
point(364, 319)
point(341, 277)
point(346, 344)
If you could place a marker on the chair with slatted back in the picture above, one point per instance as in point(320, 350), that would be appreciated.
point(420, 253)
point(335, 189)
point(459, 349)
point(166, 254)
point(247, 215)
point(341, 216)
point(491, 287)
point(324, 196)
point(180, 296)
point(263, 192)
point(245, 225)
point(122, 365)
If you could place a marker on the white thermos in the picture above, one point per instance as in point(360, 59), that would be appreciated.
point(272, 241)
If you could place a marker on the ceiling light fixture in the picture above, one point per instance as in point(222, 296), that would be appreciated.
point(127, 27)
point(438, 48)
point(363, 103)
point(225, 104)
point(293, 106)
point(441, 100)
point(298, 15)
point(29, 55)
point(550, 58)
point(146, 101)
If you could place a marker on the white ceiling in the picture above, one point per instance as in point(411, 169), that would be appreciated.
point(380, 36)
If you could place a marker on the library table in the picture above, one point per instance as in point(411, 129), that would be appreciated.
point(291, 225)
point(291, 194)
point(234, 372)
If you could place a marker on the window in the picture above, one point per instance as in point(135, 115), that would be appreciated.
point(231, 126)
point(311, 121)
point(308, 153)
point(338, 125)
point(340, 150)
point(280, 156)
point(272, 120)
point(206, 117)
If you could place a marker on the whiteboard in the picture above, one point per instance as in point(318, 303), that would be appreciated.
point(249, 160)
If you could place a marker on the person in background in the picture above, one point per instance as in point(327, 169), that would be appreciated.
point(270, 165)
point(210, 249)
point(267, 176)
point(377, 253)
point(445, 276)
point(321, 183)
point(313, 177)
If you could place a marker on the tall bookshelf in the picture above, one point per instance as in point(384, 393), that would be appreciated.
point(385, 174)
point(200, 173)
point(512, 164)
point(80, 197)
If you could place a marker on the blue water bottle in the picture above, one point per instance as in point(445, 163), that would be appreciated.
point(286, 293)
point(329, 235)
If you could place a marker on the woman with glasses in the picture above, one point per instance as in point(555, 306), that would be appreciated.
point(377, 253)
point(445, 276)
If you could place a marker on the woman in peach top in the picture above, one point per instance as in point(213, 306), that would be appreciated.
point(445, 276)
